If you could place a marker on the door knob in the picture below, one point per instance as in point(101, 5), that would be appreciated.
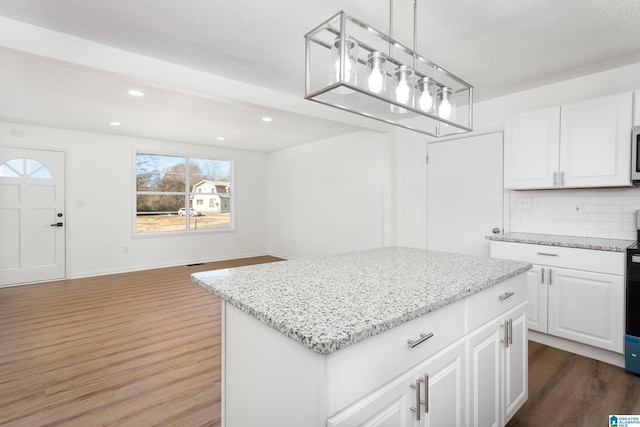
point(496, 230)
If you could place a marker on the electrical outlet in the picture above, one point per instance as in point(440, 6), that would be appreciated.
point(519, 203)
point(577, 209)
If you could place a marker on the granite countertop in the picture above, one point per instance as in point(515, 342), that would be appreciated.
point(611, 245)
point(328, 303)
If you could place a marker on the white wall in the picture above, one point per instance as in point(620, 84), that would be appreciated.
point(99, 200)
point(409, 189)
point(330, 196)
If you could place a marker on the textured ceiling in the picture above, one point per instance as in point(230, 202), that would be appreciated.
point(499, 46)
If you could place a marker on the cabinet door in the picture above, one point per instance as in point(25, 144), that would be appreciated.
point(386, 407)
point(485, 347)
point(516, 362)
point(537, 296)
point(595, 142)
point(445, 400)
point(587, 307)
point(532, 149)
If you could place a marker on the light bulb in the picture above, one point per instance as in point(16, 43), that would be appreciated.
point(445, 104)
point(376, 80)
point(445, 109)
point(425, 101)
point(403, 92)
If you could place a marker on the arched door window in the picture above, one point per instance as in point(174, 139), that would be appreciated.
point(23, 167)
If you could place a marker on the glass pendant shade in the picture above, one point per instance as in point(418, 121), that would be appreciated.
point(446, 103)
point(403, 88)
point(426, 94)
point(348, 73)
point(377, 78)
point(352, 66)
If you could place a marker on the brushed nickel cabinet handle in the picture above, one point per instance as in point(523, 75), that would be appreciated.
point(555, 179)
point(547, 254)
point(510, 331)
point(506, 295)
point(505, 340)
point(550, 277)
point(419, 401)
point(542, 281)
point(426, 393)
point(562, 179)
point(423, 338)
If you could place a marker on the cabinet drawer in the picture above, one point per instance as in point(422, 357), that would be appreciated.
point(492, 302)
point(356, 370)
point(556, 256)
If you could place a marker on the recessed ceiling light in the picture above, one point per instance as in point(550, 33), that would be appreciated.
point(220, 138)
point(115, 123)
point(267, 119)
point(135, 92)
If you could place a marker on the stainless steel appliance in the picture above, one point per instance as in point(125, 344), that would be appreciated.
point(635, 152)
point(632, 305)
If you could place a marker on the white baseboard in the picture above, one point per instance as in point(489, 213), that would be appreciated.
point(602, 355)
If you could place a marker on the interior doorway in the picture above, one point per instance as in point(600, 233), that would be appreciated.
point(465, 193)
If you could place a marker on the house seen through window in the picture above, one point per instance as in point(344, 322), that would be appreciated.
point(182, 193)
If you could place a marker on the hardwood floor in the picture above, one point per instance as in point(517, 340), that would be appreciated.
point(134, 349)
point(142, 349)
point(573, 391)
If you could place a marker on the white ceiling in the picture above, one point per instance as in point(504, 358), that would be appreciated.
point(499, 46)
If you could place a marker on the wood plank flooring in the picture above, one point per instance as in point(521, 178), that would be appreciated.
point(143, 349)
point(135, 349)
point(573, 391)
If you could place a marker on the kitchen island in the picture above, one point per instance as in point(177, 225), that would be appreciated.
point(384, 336)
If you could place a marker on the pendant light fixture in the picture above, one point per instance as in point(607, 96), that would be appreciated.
point(355, 67)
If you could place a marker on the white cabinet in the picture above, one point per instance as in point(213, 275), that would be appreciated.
point(584, 303)
point(443, 379)
point(498, 384)
point(586, 144)
point(537, 295)
point(586, 307)
point(432, 394)
point(532, 149)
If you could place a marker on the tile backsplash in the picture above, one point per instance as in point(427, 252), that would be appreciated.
point(606, 212)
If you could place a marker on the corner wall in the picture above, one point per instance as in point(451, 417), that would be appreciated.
point(330, 196)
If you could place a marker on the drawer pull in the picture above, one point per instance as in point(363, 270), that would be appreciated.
point(506, 295)
point(423, 338)
point(547, 254)
point(419, 401)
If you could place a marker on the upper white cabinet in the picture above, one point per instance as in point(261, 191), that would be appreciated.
point(586, 144)
point(532, 149)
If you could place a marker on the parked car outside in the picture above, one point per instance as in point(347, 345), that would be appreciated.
point(192, 212)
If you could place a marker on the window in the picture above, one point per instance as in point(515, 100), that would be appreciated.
point(176, 193)
point(22, 167)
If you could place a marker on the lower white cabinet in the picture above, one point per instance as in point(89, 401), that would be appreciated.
point(430, 395)
point(586, 307)
point(584, 304)
point(498, 355)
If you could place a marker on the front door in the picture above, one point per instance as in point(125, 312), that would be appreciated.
point(32, 247)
